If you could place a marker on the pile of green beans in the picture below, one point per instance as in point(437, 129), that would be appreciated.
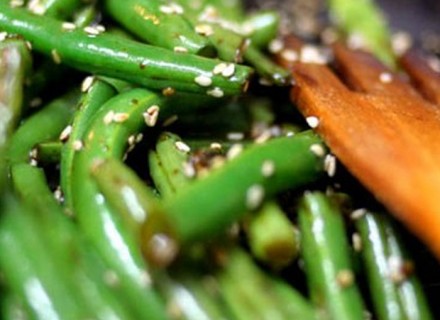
point(153, 167)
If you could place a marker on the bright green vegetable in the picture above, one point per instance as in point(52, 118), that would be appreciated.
point(325, 250)
point(235, 188)
point(364, 22)
point(153, 67)
point(159, 23)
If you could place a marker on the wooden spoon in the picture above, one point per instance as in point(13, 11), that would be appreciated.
point(383, 129)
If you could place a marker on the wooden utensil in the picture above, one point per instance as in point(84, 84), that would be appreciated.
point(383, 129)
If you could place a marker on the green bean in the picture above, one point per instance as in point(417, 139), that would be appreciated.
point(167, 165)
point(48, 152)
point(15, 64)
point(383, 290)
point(410, 291)
point(264, 27)
point(252, 294)
point(118, 247)
point(31, 271)
point(365, 21)
point(272, 238)
point(125, 192)
point(189, 295)
point(94, 97)
point(326, 255)
point(237, 187)
point(128, 60)
point(85, 16)
point(160, 24)
point(61, 9)
point(41, 127)
point(12, 307)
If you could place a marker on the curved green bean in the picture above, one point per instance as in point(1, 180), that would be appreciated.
point(95, 96)
point(237, 187)
point(153, 67)
point(41, 127)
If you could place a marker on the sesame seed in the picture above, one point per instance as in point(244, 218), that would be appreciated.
point(356, 41)
point(87, 83)
point(120, 117)
point(396, 269)
point(16, 3)
point(358, 213)
point(139, 137)
point(3, 36)
point(385, 77)
point(234, 151)
point(229, 70)
point(100, 28)
point(356, 241)
point(111, 278)
point(265, 82)
point(329, 35)
point(163, 249)
point(172, 8)
point(33, 162)
point(180, 49)
point(170, 120)
point(91, 135)
point(311, 54)
point(108, 118)
point(167, 92)
point(55, 56)
point(151, 115)
point(204, 29)
point(217, 162)
point(66, 133)
point(216, 92)
point(131, 140)
point(36, 7)
point(182, 146)
point(317, 149)
point(145, 279)
point(268, 168)
point(401, 42)
point(77, 145)
point(215, 146)
point(58, 195)
point(235, 136)
point(35, 102)
point(345, 278)
point(433, 63)
point(254, 196)
point(33, 154)
point(275, 46)
point(219, 68)
point(312, 121)
point(28, 45)
point(68, 26)
point(203, 81)
point(289, 55)
point(189, 170)
point(330, 165)
point(90, 30)
point(263, 136)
